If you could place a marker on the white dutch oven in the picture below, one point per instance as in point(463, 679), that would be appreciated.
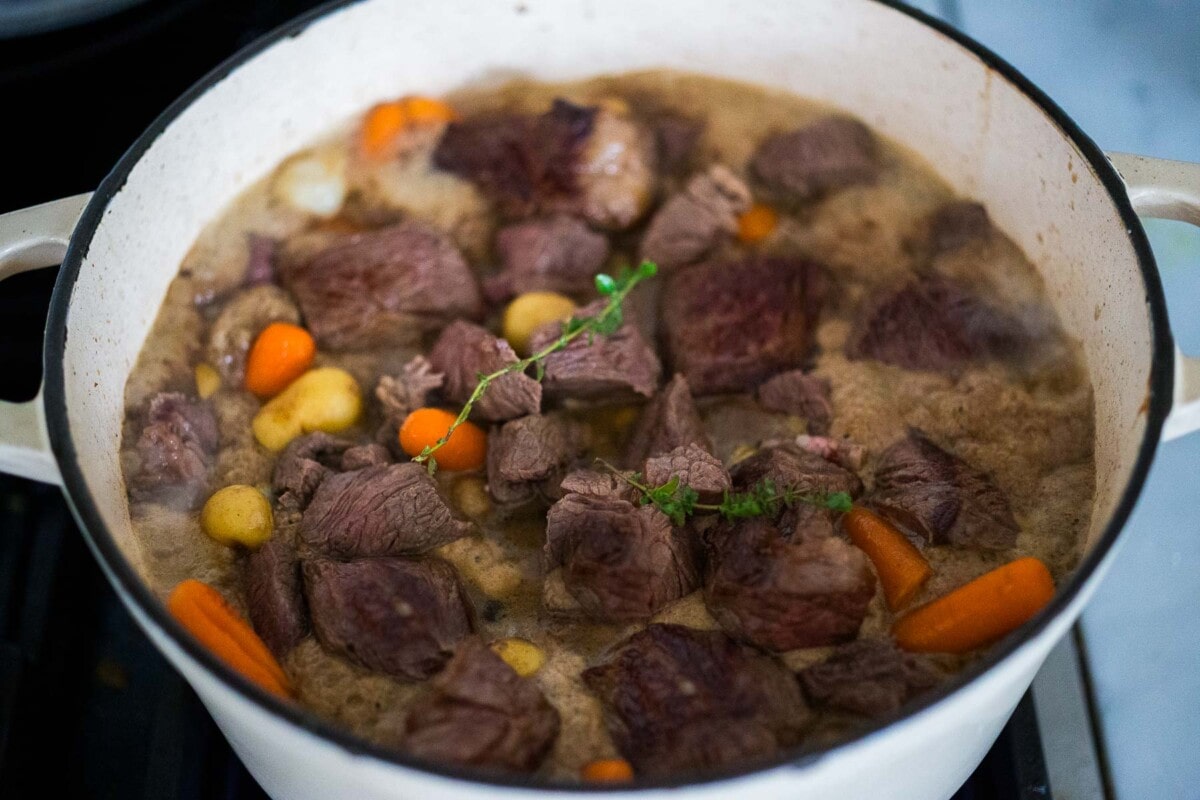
point(988, 131)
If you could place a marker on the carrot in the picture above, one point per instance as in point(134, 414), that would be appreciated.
point(980, 612)
point(205, 614)
point(465, 450)
point(280, 354)
point(757, 223)
point(428, 110)
point(901, 567)
point(607, 770)
point(383, 124)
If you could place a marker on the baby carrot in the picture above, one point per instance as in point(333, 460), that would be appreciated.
point(205, 614)
point(466, 449)
point(901, 567)
point(280, 354)
point(980, 612)
point(757, 223)
point(380, 137)
point(607, 770)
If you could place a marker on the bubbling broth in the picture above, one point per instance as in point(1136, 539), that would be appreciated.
point(740, 502)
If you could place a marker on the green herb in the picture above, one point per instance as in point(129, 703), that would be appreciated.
point(604, 323)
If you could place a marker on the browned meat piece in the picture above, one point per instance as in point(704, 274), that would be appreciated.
point(941, 497)
point(618, 173)
point(678, 700)
point(693, 223)
point(731, 325)
point(305, 463)
point(379, 511)
point(598, 367)
point(175, 451)
point(933, 324)
point(829, 154)
point(958, 223)
point(557, 254)
point(401, 395)
point(528, 457)
point(780, 594)
point(465, 351)
point(365, 455)
point(796, 392)
point(393, 615)
point(274, 592)
point(260, 266)
point(621, 562)
point(869, 677)
point(597, 483)
point(383, 287)
point(480, 713)
point(668, 421)
point(791, 467)
point(694, 467)
point(677, 138)
point(242, 318)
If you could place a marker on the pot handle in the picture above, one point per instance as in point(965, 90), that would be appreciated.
point(1168, 190)
point(33, 238)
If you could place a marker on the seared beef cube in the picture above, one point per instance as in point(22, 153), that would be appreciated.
point(405, 393)
point(781, 595)
point(480, 713)
point(803, 395)
point(676, 138)
point(274, 592)
point(868, 677)
point(241, 320)
point(941, 497)
point(829, 154)
point(528, 457)
point(730, 325)
point(393, 615)
point(620, 364)
point(956, 224)
point(557, 254)
point(679, 700)
point(693, 223)
point(790, 467)
point(305, 463)
point(379, 511)
point(365, 455)
point(617, 173)
point(621, 562)
point(933, 324)
point(597, 483)
point(464, 352)
point(260, 266)
point(694, 467)
point(668, 421)
point(383, 287)
point(175, 451)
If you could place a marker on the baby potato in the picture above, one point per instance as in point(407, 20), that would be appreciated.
point(314, 182)
point(238, 514)
point(522, 655)
point(530, 311)
point(325, 399)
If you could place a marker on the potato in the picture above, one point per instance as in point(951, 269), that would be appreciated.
point(208, 380)
point(238, 514)
point(314, 182)
point(522, 655)
point(326, 399)
point(530, 311)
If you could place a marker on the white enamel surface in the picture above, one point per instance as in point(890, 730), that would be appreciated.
point(906, 80)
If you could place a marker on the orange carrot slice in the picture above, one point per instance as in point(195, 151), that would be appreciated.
point(901, 568)
point(607, 770)
point(279, 355)
point(757, 223)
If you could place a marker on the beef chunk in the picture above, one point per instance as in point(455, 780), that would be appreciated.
point(379, 511)
point(668, 421)
point(868, 677)
point(618, 172)
point(175, 451)
point(933, 324)
point(528, 457)
point(274, 593)
point(260, 266)
point(791, 467)
point(365, 455)
point(621, 562)
point(464, 352)
point(595, 483)
point(731, 325)
point(829, 154)
point(680, 700)
point(694, 467)
point(796, 392)
point(780, 594)
point(305, 463)
point(693, 223)
point(480, 713)
point(956, 224)
point(557, 254)
point(676, 138)
point(393, 615)
point(383, 287)
point(599, 367)
point(941, 497)
point(404, 393)
point(241, 320)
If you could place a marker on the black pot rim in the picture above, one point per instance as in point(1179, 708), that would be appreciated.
point(127, 581)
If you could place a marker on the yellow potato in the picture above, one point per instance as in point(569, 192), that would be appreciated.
point(238, 514)
point(530, 311)
point(208, 380)
point(326, 399)
point(522, 655)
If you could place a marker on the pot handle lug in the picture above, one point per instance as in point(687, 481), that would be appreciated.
point(1166, 189)
point(33, 238)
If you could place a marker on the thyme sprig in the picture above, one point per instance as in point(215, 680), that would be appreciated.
point(764, 499)
point(607, 321)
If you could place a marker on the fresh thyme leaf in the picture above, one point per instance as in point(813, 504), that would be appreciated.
point(605, 284)
point(539, 369)
point(431, 465)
